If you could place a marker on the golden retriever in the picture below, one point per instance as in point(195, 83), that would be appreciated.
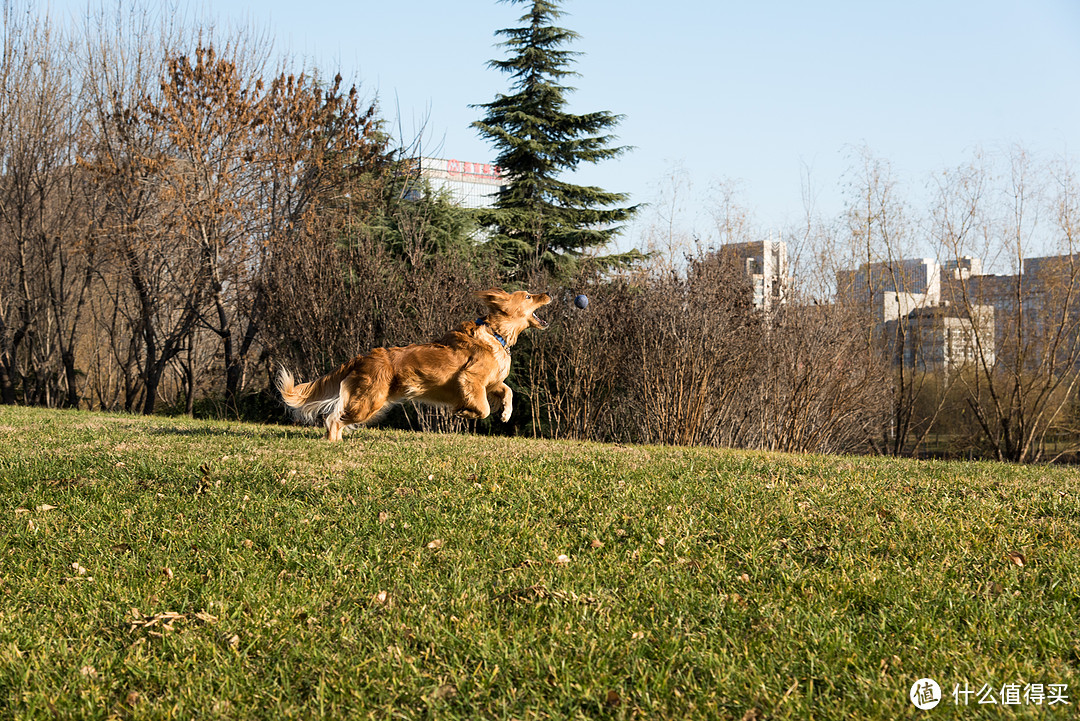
point(464, 370)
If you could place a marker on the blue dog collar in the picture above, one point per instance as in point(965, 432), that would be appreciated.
point(482, 321)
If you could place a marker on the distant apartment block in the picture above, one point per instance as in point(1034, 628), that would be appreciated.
point(766, 265)
point(943, 316)
point(1052, 283)
point(999, 292)
point(892, 290)
point(915, 313)
point(943, 337)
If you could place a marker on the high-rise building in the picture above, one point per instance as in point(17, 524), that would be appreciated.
point(932, 315)
point(890, 290)
point(915, 313)
point(942, 337)
point(766, 264)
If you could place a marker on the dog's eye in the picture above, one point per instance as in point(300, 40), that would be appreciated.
point(528, 297)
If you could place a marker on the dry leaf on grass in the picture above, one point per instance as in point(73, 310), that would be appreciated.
point(445, 691)
point(46, 507)
point(160, 623)
point(436, 544)
point(612, 698)
point(1017, 558)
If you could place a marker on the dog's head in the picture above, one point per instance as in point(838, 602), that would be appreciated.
point(514, 311)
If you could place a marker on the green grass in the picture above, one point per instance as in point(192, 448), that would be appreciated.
point(725, 584)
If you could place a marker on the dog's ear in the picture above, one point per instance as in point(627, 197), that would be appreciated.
point(493, 298)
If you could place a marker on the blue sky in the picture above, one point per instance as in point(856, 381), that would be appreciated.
point(758, 93)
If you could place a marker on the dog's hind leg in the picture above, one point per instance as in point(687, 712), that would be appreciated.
point(365, 393)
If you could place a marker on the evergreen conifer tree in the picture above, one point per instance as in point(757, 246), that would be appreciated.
point(538, 220)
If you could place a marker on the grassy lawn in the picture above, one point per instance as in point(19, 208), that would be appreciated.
point(161, 568)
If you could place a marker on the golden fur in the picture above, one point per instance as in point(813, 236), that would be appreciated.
point(464, 370)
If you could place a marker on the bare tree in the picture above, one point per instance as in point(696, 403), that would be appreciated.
point(209, 112)
point(323, 281)
point(157, 284)
point(1021, 395)
point(47, 241)
point(692, 342)
point(892, 289)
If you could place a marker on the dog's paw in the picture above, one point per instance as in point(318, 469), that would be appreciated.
point(506, 411)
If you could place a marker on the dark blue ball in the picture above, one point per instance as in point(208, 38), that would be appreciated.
point(582, 301)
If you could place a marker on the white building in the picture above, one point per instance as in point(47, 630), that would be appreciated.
point(915, 311)
point(942, 337)
point(470, 185)
point(766, 265)
point(893, 289)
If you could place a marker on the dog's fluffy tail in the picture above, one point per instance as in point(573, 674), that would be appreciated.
point(308, 401)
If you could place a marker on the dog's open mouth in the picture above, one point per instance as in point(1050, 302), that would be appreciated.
point(539, 321)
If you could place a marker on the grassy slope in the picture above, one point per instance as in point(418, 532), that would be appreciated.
point(800, 586)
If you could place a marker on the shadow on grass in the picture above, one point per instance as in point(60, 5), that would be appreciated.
point(269, 431)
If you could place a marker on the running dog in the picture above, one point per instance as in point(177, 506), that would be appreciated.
point(464, 370)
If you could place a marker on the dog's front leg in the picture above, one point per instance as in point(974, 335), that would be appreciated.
point(505, 396)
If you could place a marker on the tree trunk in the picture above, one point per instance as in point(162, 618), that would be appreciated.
point(72, 377)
